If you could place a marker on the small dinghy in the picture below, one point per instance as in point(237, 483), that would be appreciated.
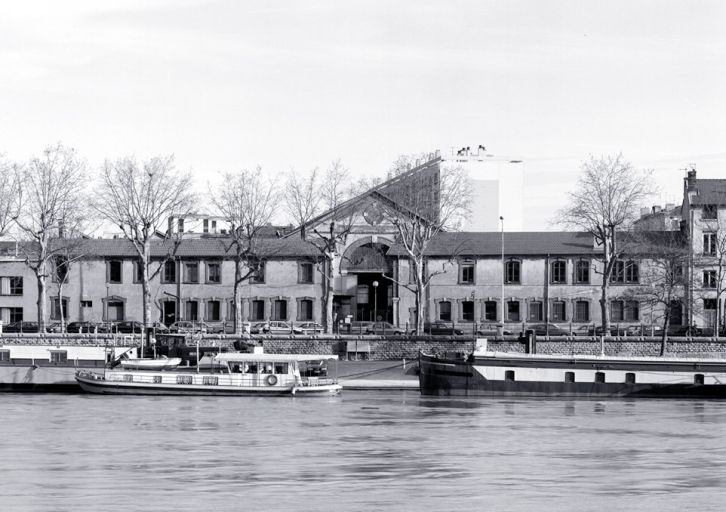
point(160, 363)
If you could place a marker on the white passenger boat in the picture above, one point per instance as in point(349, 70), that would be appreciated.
point(160, 363)
point(230, 373)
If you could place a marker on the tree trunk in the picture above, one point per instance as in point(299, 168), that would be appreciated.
point(237, 299)
point(329, 292)
point(419, 310)
point(146, 294)
point(60, 300)
point(664, 335)
point(604, 305)
point(42, 292)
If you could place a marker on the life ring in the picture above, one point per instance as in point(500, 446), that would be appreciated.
point(271, 380)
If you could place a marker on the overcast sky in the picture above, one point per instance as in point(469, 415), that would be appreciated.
point(230, 84)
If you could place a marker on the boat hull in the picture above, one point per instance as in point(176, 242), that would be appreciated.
point(548, 377)
point(95, 383)
point(151, 364)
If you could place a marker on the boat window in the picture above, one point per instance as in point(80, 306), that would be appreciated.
point(58, 356)
point(236, 368)
point(266, 368)
point(156, 379)
point(569, 376)
point(599, 376)
point(250, 368)
point(630, 378)
point(509, 375)
point(210, 380)
point(183, 379)
point(698, 379)
point(5, 356)
point(281, 368)
point(128, 378)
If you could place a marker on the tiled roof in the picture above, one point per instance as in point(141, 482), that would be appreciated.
point(191, 248)
point(515, 244)
point(710, 192)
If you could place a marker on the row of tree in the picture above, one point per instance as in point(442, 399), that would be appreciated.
point(49, 196)
point(49, 204)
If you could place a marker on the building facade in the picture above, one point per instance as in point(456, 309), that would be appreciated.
point(482, 278)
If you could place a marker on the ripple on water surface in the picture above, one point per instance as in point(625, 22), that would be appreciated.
point(360, 451)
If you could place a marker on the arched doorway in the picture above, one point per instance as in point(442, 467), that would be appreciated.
point(370, 288)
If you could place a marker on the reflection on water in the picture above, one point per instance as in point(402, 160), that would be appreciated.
point(360, 451)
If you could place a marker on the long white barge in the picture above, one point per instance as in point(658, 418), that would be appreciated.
point(488, 374)
point(50, 367)
point(227, 373)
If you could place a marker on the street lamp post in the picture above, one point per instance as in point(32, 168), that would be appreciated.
point(375, 301)
point(501, 327)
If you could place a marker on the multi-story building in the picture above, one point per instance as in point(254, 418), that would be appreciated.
point(704, 220)
point(481, 277)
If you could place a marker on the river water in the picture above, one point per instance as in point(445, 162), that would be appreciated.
point(359, 451)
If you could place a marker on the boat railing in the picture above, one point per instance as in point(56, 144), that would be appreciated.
point(215, 379)
point(317, 381)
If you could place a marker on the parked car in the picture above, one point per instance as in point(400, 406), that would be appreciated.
point(188, 327)
point(643, 330)
point(86, 327)
point(129, 327)
point(684, 330)
point(597, 330)
point(310, 327)
point(55, 327)
point(355, 327)
point(441, 328)
point(548, 330)
point(492, 332)
point(383, 328)
point(159, 327)
point(22, 327)
point(279, 327)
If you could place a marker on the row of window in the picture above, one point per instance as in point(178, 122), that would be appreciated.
point(625, 272)
point(620, 311)
point(192, 273)
point(115, 310)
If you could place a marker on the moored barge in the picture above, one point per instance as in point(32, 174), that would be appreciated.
point(230, 373)
point(499, 374)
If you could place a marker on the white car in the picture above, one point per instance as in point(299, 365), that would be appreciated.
point(310, 328)
point(278, 327)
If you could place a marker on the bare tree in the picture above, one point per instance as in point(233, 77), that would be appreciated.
point(425, 201)
point(48, 205)
point(8, 193)
point(246, 200)
point(302, 197)
point(139, 199)
point(605, 203)
point(328, 193)
point(68, 253)
point(664, 256)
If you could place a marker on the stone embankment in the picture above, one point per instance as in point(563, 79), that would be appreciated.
point(399, 347)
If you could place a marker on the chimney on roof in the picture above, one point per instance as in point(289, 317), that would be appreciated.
point(670, 206)
point(691, 180)
point(644, 212)
point(656, 208)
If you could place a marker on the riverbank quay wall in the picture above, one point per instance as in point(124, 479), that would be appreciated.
point(398, 347)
